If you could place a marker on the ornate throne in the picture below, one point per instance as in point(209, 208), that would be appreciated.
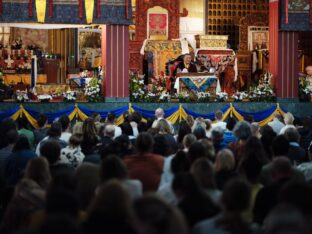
point(141, 20)
point(244, 55)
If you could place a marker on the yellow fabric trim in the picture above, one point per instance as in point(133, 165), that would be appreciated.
point(17, 114)
point(237, 115)
point(41, 10)
point(30, 119)
point(89, 6)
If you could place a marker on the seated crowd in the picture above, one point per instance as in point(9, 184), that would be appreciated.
point(153, 177)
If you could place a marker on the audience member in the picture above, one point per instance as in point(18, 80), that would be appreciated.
point(42, 130)
point(72, 153)
point(219, 120)
point(277, 123)
point(65, 122)
point(289, 120)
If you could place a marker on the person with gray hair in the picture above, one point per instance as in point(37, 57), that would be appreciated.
point(289, 121)
point(160, 114)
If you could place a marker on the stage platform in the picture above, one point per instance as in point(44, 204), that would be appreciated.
point(299, 109)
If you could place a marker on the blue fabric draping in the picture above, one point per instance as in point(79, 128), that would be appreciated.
point(151, 114)
point(52, 116)
point(257, 116)
point(104, 114)
point(8, 113)
point(210, 116)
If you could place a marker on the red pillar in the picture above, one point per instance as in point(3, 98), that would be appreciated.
point(287, 81)
point(273, 37)
point(115, 61)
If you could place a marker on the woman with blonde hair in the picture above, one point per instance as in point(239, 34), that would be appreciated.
point(90, 138)
point(224, 167)
point(289, 122)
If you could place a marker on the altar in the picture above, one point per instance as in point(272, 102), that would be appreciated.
point(198, 83)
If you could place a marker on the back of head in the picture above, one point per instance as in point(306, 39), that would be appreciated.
point(292, 135)
point(144, 143)
point(38, 170)
point(161, 145)
point(55, 130)
point(77, 128)
point(230, 123)
point(12, 136)
point(64, 121)
point(242, 130)
point(236, 195)
point(255, 128)
point(163, 126)
point(22, 143)
point(96, 116)
point(278, 116)
point(158, 217)
point(112, 202)
point(109, 130)
point(217, 134)
point(249, 118)
point(203, 172)
point(280, 146)
point(42, 120)
point(89, 129)
point(225, 160)
point(75, 140)
point(136, 117)
point(196, 150)
point(111, 118)
point(219, 115)
point(159, 113)
point(184, 128)
point(188, 140)
point(288, 118)
point(22, 122)
point(285, 219)
point(127, 129)
point(281, 168)
point(199, 131)
point(180, 163)
point(113, 167)
point(51, 150)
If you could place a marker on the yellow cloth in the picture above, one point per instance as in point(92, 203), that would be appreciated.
point(25, 78)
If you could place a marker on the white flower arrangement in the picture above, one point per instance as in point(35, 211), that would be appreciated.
point(69, 96)
point(21, 95)
point(222, 96)
point(307, 90)
point(92, 90)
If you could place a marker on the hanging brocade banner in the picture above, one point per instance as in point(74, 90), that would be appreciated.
point(80, 9)
point(0, 7)
point(98, 8)
point(41, 10)
point(89, 7)
point(30, 8)
point(50, 8)
point(286, 11)
point(127, 6)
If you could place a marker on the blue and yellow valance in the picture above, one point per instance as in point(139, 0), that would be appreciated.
point(174, 114)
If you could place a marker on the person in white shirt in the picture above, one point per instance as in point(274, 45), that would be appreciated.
point(111, 118)
point(160, 114)
point(65, 122)
point(289, 120)
point(220, 122)
point(277, 123)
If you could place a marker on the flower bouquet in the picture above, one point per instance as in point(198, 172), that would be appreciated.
point(22, 96)
point(222, 96)
point(69, 96)
point(93, 90)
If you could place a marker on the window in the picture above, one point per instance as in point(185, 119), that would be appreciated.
point(4, 36)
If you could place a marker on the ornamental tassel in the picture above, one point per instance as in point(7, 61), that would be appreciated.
point(50, 8)
point(80, 9)
point(127, 6)
point(286, 11)
point(0, 7)
point(98, 8)
point(30, 8)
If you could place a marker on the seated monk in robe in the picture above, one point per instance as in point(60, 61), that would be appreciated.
point(186, 66)
point(227, 84)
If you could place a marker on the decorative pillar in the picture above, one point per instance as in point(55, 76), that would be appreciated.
point(115, 62)
point(273, 37)
point(287, 80)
